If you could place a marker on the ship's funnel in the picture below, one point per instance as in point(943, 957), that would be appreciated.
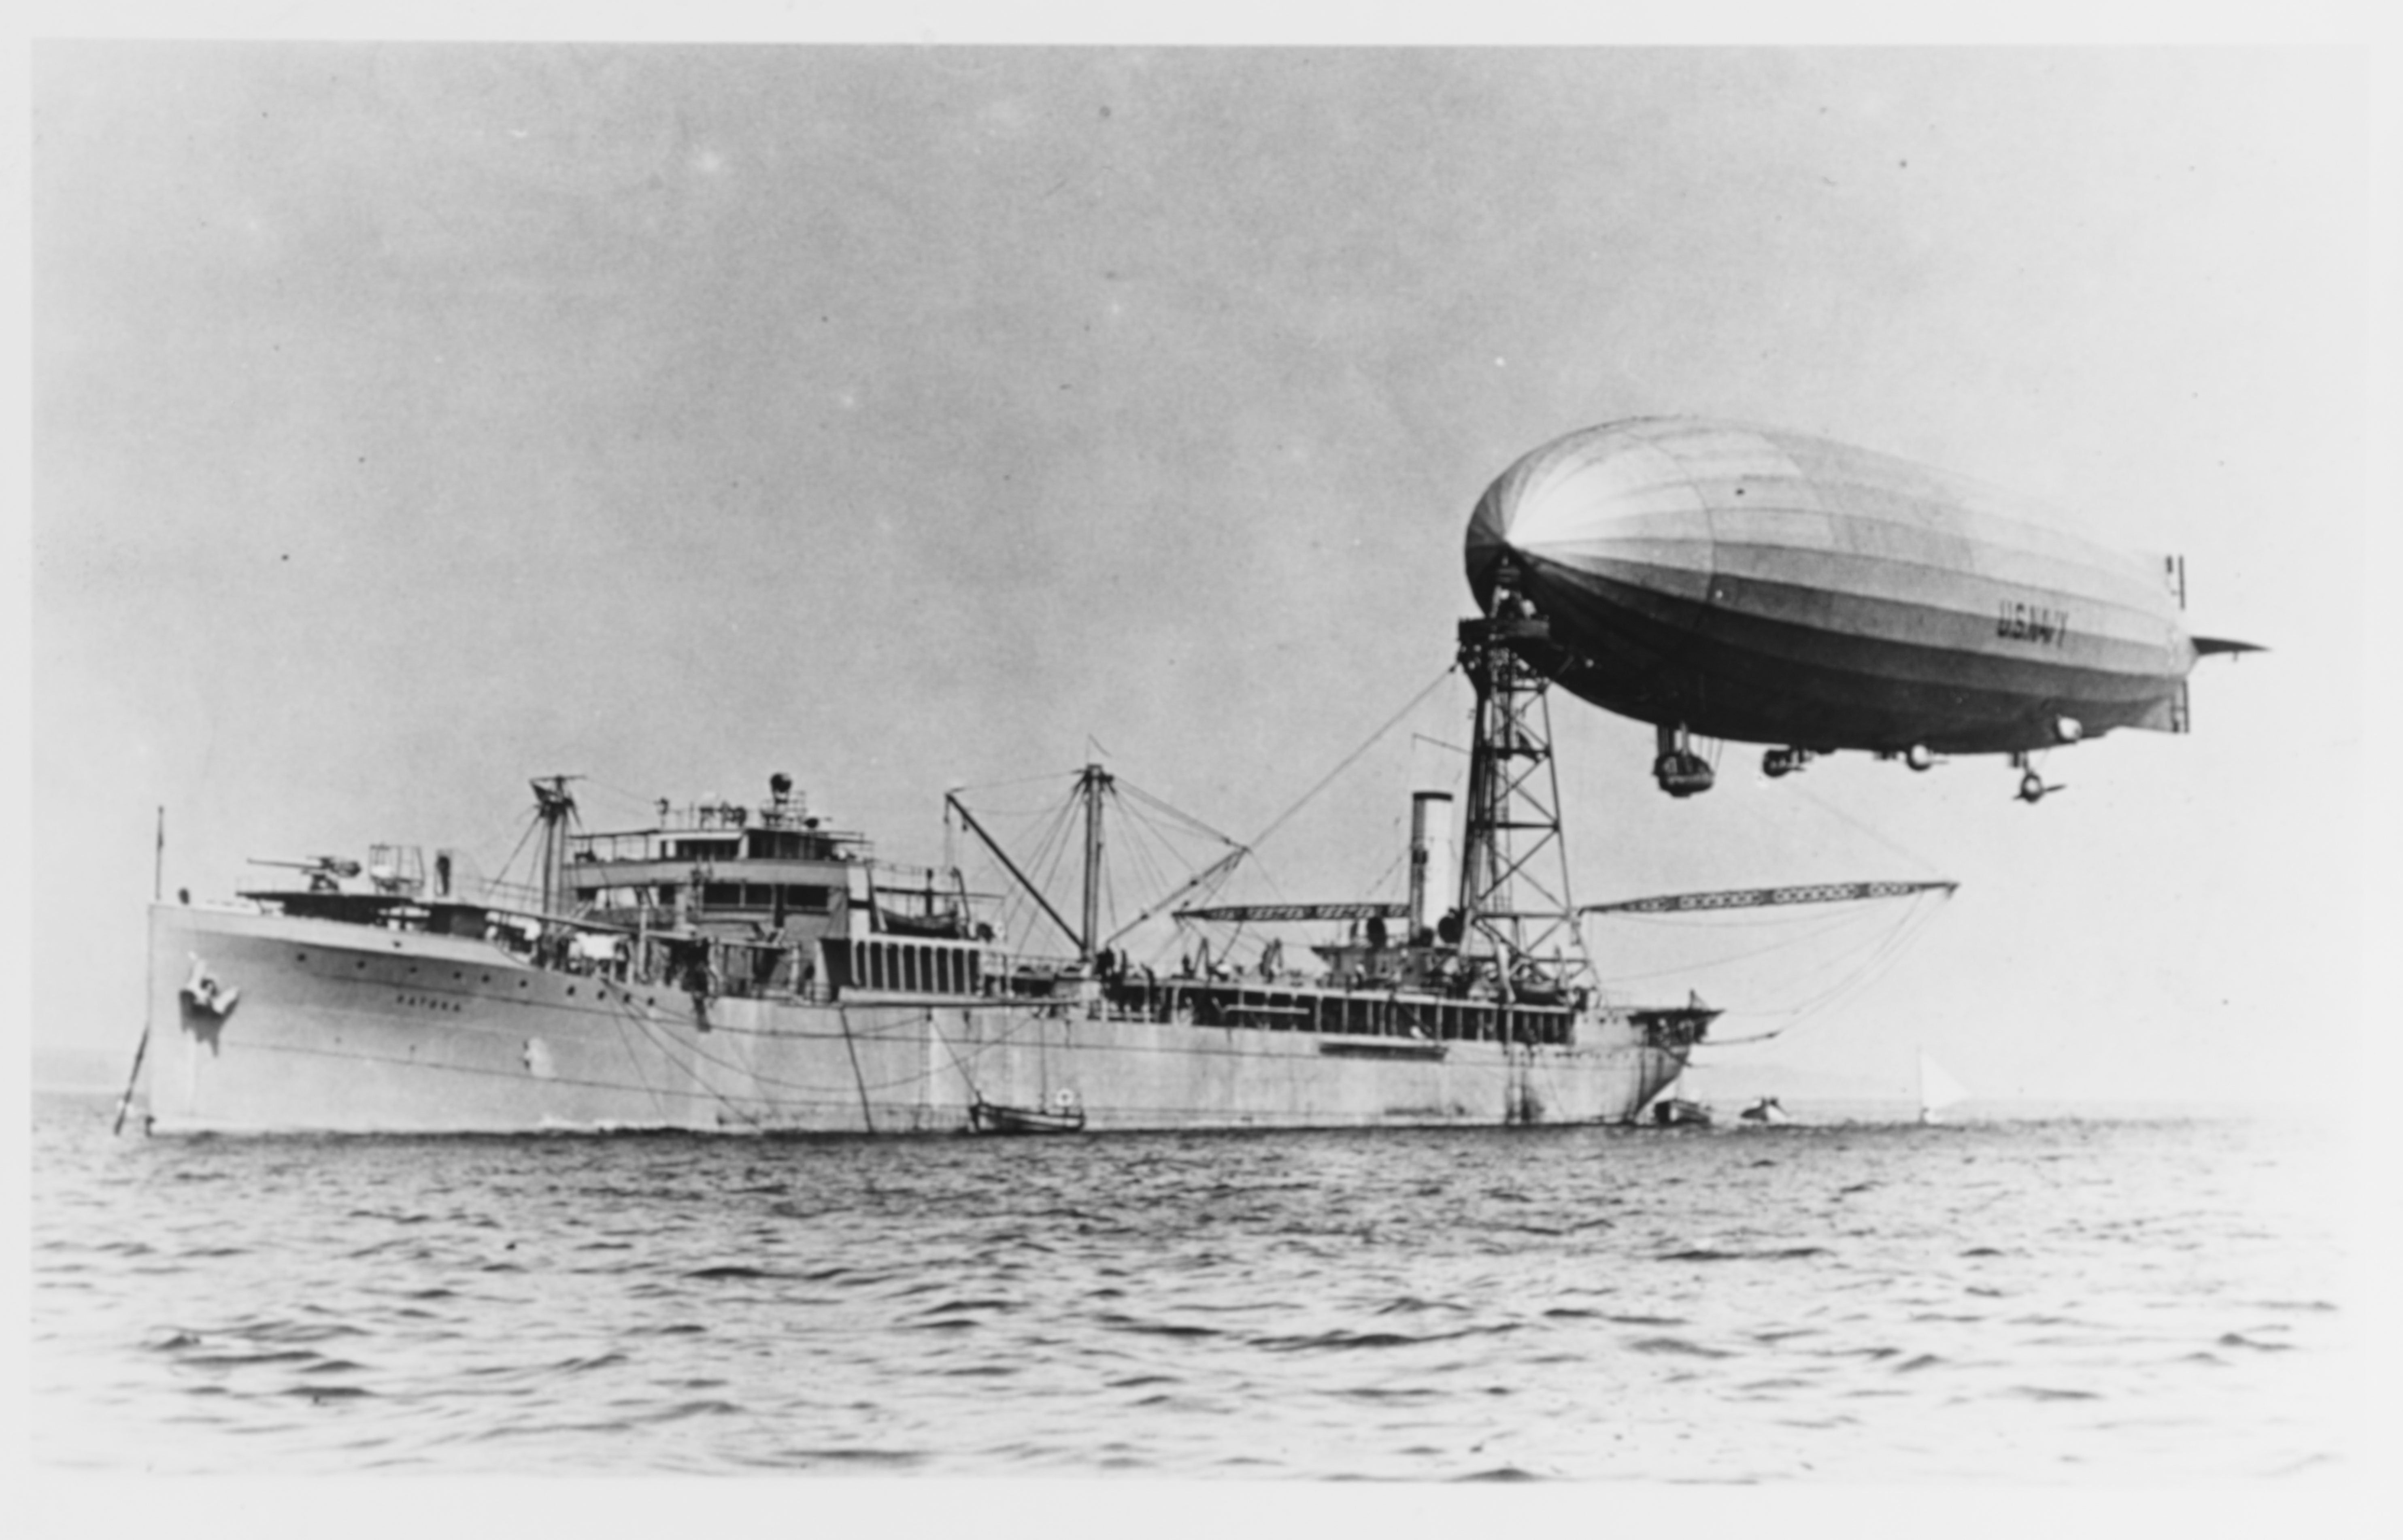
point(1431, 866)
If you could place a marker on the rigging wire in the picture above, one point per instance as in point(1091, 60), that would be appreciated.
point(1819, 925)
point(1151, 850)
point(1882, 956)
point(824, 1094)
point(1178, 814)
point(1863, 963)
point(1046, 779)
point(624, 1005)
point(1384, 880)
point(1880, 962)
point(1021, 912)
point(1834, 812)
point(858, 1077)
point(648, 804)
point(1350, 760)
point(635, 1060)
point(507, 867)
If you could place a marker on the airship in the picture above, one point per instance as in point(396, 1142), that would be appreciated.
point(1723, 581)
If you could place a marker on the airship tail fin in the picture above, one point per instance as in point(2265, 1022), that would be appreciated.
point(2167, 714)
point(2205, 645)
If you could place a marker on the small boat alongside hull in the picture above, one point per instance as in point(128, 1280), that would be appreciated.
point(1676, 1112)
point(988, 1117)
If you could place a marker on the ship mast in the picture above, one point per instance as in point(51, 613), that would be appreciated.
point(1092, 785)
point(1514, 875)
point(554, 806)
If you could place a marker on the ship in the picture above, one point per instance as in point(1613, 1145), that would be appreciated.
point(748, 969)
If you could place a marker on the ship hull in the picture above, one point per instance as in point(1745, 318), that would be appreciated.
point(264, 1022)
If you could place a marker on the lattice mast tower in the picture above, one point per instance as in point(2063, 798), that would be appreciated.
point(1515, 904)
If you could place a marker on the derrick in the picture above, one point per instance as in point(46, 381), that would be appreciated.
point(1753, 899)
point(1276, 913)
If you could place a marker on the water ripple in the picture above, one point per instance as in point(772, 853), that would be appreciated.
point(1846, 1303)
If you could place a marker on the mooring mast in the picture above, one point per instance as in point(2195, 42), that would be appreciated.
point(1514, 874)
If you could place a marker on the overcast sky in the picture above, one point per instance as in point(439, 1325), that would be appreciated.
point(408, 421)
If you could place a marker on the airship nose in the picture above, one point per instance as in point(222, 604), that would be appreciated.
point(1505, 528)
point(1604, 504)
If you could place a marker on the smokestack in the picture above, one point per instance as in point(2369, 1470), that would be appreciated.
point(1431, 874)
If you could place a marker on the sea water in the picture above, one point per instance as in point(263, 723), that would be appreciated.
point(2013, 1300)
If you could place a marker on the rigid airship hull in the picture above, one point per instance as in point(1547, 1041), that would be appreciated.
point(1775, 589)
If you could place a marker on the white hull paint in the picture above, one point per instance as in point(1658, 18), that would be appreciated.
point(348, 1027)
